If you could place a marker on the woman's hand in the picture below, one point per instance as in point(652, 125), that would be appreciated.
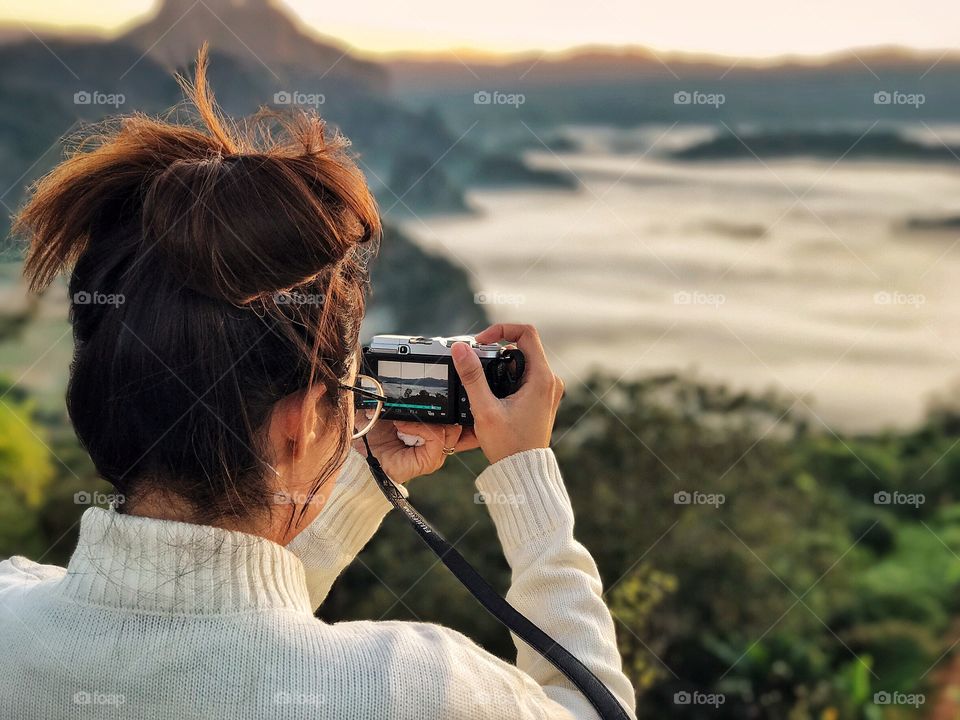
point(402, 462)
point(518, 422)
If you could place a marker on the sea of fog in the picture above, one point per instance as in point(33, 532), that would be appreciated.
point(797, 275)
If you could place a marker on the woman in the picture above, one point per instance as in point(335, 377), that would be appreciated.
point(217, 281)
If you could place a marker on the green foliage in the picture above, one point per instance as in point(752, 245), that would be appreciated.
point(632, 602)
point(25, 472)
point(796, 596)
point(25, 463)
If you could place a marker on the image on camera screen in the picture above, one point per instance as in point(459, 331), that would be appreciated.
point(421, 388)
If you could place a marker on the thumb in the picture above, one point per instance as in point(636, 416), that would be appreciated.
point(470, 370)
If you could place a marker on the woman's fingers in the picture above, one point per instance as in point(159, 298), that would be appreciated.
point(523, 420)
point(468, 440)
point(474, 381)
point(537, 372)
point(430, 433)
point(526, 337)
point(457, 437)
point(451, 435)
point(436, 438)
point(404, 462)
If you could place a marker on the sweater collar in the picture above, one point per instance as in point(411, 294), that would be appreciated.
point(161, 566)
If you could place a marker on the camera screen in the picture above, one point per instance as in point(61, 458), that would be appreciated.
point(418, 388)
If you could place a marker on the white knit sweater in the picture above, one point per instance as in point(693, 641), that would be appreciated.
point(167, 620)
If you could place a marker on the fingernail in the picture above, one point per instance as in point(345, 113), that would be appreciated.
point(459, 350)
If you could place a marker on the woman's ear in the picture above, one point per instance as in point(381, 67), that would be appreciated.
point(293, 425)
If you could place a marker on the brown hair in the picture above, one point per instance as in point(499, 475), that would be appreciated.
point(215, 270)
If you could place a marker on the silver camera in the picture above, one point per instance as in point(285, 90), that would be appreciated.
point(419, 379)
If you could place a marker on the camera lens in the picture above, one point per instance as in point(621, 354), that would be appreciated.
point(403, 350)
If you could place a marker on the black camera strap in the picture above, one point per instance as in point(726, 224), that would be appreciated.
point(575, 671)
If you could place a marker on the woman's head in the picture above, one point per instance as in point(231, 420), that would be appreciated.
point(218, 278)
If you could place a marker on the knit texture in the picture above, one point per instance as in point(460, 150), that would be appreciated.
point(160, 619)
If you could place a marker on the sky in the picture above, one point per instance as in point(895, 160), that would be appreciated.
point(747, 28)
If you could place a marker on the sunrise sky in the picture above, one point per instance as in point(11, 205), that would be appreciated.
point(751, 28)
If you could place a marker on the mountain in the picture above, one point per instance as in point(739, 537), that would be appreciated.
point(631, 87)
point(877, 145)
point(259, 31)
point(614, 65)
point(15, 32)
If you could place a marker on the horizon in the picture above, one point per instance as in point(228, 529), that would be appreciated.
point(386, 40)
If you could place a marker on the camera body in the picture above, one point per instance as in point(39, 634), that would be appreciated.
point(421, 383)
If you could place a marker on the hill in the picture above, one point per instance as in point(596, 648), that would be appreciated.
point(607, 64)
point(252, 30)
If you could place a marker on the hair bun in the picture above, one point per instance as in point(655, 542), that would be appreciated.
point(239, 226)
point(231, 215)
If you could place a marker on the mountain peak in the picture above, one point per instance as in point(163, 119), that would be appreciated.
point(260, 32)
point(214, 5)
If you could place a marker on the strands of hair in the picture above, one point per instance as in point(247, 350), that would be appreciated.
point(206, 230)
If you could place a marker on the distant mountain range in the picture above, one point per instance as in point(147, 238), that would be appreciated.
point(875, 145)
point(267, 30)
point(428, 128)
point(629, 88)
point(630, 64)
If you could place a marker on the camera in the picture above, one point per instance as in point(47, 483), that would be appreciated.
point(420, 382)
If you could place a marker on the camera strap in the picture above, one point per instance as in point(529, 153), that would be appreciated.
point(562, 659)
